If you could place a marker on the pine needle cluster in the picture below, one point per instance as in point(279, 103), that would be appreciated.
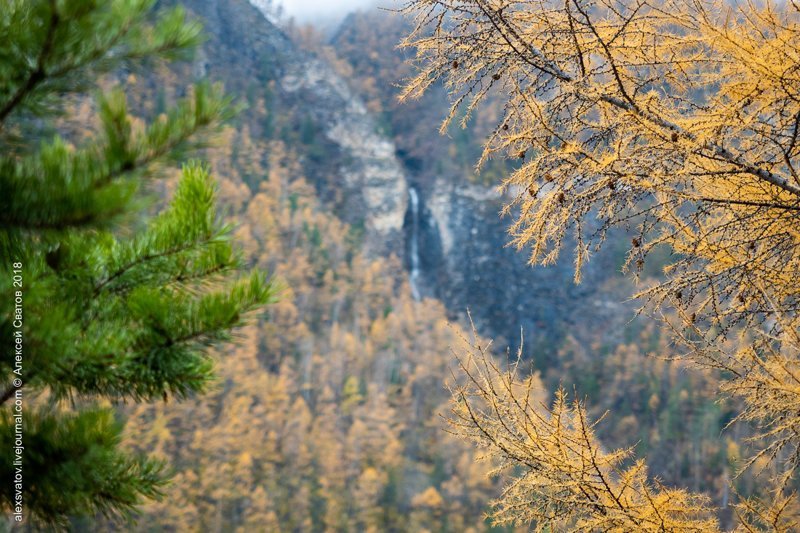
point(115, 308)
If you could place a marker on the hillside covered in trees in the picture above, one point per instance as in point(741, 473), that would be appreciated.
point(349, 383)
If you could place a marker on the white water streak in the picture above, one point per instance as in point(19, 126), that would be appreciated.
point(414, 259)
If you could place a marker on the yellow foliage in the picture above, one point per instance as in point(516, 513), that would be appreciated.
point(325, 405)
point(430, 498)
point(567, 481)
point(653, 402)
point(678, 118)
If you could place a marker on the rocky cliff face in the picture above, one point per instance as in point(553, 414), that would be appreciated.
point(463, 255)
point(314, 110)
point(465, 262)
point(453, 239)
point(371, 180)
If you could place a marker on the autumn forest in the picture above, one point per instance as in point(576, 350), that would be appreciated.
point(432, 266)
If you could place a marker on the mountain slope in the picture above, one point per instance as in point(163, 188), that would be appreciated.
point(296, 98)
point(464, 258)
point(327, 415)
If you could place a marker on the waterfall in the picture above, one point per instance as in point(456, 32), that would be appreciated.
point(414, 253)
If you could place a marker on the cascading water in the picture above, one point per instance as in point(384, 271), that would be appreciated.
point(413, 198)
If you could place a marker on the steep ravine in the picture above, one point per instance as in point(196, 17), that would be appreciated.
point(463, 255)
point(464, 260)
point(450, 236)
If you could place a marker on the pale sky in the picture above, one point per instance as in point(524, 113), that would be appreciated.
point(313, 10)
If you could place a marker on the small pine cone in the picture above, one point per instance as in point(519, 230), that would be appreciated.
point(505, 127)
point(678, 295)
point(548, 177)
point(674, 137)
point(635, 242)
point(522, 154)
point(612, 184)
point(455, 64)
point(495, 76)
point(561, 197)
point(532, 191)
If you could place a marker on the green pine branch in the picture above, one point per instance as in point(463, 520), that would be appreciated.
point(109, 314)
point(59, 187)
point(81, 40)
point(78, 467)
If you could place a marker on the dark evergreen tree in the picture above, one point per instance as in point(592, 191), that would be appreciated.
point(113, 308)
